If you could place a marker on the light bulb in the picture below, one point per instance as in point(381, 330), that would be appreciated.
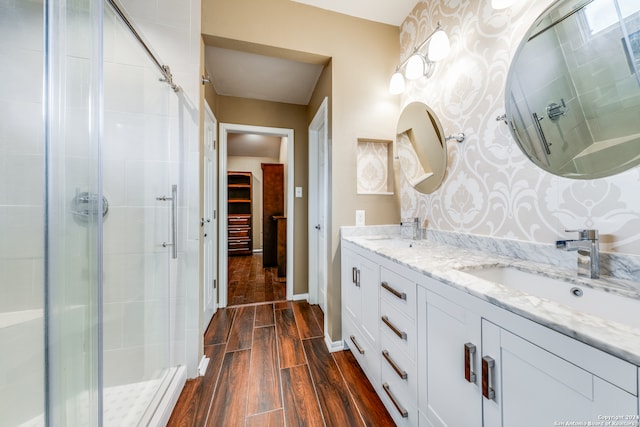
point(439, 46)
point(415, 67)
point(396, 86)
point(502, 4)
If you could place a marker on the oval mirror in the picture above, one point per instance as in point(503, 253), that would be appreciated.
point(420, 147)
point(573, 91)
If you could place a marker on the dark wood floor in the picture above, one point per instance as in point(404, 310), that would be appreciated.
point(250, 283)
point(269, 366)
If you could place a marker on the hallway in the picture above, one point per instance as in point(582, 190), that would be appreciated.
point(269, 366)
point(250, 282)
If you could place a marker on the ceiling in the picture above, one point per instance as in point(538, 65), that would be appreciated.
point(253, 76)
point(392, 12)
point(249, 75)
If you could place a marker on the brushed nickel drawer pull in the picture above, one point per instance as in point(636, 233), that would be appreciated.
point(398, 332)
point(469, 352)
point(353, 340)
point(403, 411)
point(395, 292)
point(488, 365)
point(401, 373)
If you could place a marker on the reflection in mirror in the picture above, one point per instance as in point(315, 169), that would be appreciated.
point(420, 147)
point(573, 92)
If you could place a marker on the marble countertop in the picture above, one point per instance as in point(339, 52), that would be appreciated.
point(447, 263)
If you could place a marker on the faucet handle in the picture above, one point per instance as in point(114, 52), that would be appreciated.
point(585, 234)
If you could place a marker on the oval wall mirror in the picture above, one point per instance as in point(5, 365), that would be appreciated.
point(573, 91)
point(420, 147)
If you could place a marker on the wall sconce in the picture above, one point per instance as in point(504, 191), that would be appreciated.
point(418, 65)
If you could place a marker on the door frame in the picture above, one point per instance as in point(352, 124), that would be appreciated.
point(223, 252)
point(318, 142)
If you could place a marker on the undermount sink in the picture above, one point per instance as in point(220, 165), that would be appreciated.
point(601, 303)
point(392, 242)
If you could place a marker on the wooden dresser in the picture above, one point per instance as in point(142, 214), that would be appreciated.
point(239, 196)
point(272, 206)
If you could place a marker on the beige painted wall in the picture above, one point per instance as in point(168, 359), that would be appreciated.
point(363, 56)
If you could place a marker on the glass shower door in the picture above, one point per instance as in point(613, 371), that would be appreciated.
point(138, 175)
point(22, 148)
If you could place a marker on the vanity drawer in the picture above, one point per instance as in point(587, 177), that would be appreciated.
point(366, 354)
point(399, 329)
point(398, 291)
point(397, 398)
point(396, 365)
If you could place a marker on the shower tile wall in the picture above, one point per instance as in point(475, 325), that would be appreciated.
point(491, 188)
point(21, 212)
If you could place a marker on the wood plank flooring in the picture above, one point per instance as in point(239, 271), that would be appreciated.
point(250, 283)
point(270, 367)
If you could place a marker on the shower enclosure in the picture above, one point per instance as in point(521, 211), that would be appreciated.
point(90, 174)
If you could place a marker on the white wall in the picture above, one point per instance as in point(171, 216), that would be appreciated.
point(491, 188)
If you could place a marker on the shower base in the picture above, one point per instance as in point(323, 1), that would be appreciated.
point(131, 404)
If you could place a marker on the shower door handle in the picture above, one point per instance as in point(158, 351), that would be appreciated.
point(174, 229)
point(543, 138)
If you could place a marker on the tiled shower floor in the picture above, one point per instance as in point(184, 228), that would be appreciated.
point(124, 405)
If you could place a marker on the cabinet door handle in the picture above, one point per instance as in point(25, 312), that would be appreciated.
point(488, 365)
point(400, 408)
point(358, 277)
point(353, 340)
point(395, 292)
point(401, 373)
point(469, 353)
point(394, 328)
point(353, 274)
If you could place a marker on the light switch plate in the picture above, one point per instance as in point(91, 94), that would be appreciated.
point(299, 192)
point(360, 218)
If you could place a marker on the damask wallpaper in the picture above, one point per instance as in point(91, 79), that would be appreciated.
point(373, 167)
point(491, 188)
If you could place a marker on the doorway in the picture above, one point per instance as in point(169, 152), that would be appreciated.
point(228, 132)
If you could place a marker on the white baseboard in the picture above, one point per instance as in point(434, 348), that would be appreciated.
point(298, 297)
point(202, 367)
point(333, 346)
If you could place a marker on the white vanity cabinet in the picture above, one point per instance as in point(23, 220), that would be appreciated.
point(441, 357)
point(360, 309)
point(450, 343)
point(398, 339)
point(530, 386)
point(521, 374)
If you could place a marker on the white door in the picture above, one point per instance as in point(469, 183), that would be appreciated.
point(209, 220)
point(534, 387)
point(318, 206)
point(453, 347)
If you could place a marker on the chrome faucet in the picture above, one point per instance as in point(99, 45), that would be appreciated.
point(415, 223)
point(588, 249)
